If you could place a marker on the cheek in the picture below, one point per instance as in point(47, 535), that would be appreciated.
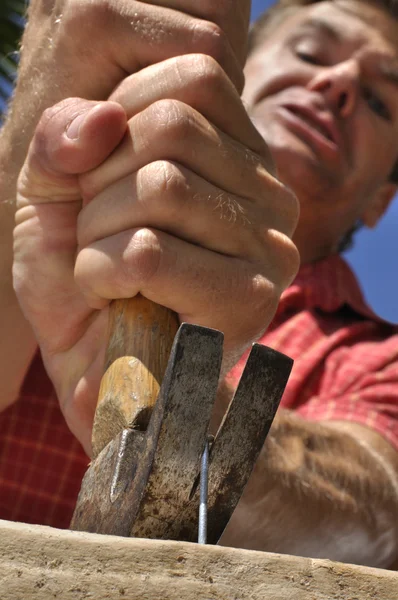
point(270, 73)
point(373, 147)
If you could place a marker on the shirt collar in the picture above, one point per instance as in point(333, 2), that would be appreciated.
point(328, 284)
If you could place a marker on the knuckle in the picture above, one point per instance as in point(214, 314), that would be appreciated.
point(205, 67)
point(288, 258)
point(171, 119)
point(294, 261)
point(261, 296)
point(208, 76)
point(281, 202)
point(141, 259)
point(264, 293)
point(267, 162)
point(203, 78)
point(159, 181)
point(211, 40)
point(291, 208)
point(266, 281)
point(230, 209)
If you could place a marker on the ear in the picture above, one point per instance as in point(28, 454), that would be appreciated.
point(378, 204)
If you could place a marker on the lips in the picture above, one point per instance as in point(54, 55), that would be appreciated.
point(322, 123)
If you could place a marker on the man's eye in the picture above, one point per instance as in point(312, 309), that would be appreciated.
point(376, 105)
point(309, 58)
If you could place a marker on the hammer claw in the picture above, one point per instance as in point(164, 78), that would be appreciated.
point(148, 442)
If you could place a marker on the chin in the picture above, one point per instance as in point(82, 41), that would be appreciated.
point(298, 171)
point(298, 168)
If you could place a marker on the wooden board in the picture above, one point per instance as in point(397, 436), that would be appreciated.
point(41, 563)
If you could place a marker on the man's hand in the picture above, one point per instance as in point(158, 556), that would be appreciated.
point(85, 48)
point(184, 210)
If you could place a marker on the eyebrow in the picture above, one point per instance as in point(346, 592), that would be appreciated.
point(323, 27)
point(388, 72)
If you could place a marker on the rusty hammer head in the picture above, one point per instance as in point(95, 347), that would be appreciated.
point(144, 483)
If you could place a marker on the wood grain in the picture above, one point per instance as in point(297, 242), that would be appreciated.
point(41, 563)
point(141, 334)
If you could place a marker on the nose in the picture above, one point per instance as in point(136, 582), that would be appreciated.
point(339, 85)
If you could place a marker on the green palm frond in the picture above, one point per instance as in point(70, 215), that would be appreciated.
point(12, 14)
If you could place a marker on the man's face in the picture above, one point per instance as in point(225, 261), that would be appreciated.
point(323, 91)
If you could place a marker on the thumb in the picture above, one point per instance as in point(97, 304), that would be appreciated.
point(71, 138)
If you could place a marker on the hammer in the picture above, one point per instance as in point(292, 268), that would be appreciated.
point(151, 427)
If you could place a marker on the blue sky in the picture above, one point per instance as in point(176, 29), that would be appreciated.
point(374, 256)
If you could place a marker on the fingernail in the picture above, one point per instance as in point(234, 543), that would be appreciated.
point(73, 129)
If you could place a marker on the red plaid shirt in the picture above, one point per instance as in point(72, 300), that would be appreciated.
point(346, 367)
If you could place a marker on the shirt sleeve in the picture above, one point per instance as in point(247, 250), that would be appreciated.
point(360, 385)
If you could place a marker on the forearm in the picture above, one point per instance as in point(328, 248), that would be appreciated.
point(320, 492)
point(17, 343)
point(36, 89)
point(33, 94)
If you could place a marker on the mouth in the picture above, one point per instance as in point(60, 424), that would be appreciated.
point(323, 126)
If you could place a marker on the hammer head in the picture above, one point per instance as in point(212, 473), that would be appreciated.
point(144, 483)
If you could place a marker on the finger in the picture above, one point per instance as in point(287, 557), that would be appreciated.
point(171, 130)
point(78, 400)
point(232, 16)
point(147, 260)
point(71, 138)
point(166, 196)
point(154, 33)
point(49, 201)
point(199, 81)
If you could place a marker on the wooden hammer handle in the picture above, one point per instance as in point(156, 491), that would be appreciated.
point(141, 334)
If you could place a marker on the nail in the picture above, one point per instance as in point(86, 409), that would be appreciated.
point(74, 127)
